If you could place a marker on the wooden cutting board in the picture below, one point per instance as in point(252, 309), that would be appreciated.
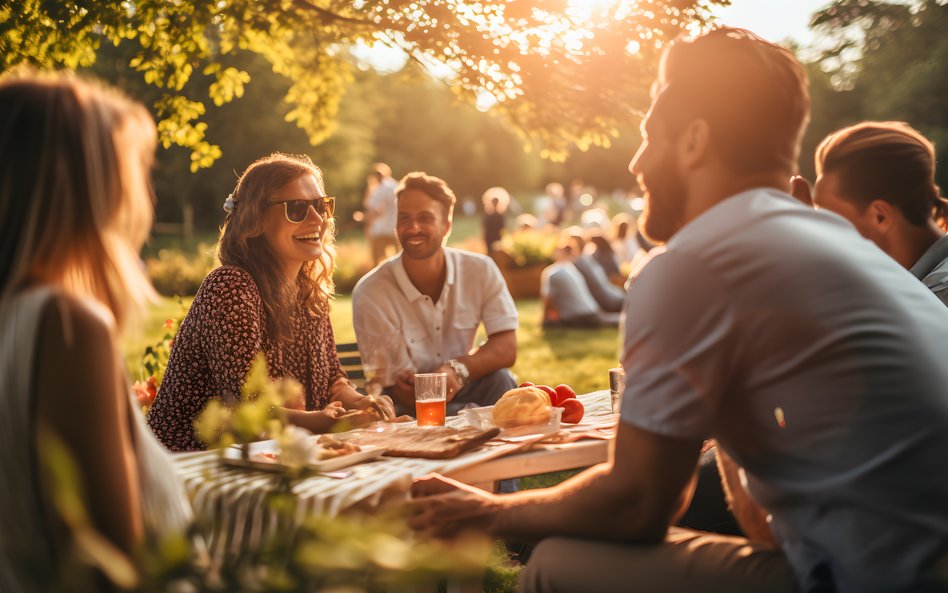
point(435, 442)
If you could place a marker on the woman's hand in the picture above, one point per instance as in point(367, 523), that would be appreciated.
point(381, 406)
point(325, 420)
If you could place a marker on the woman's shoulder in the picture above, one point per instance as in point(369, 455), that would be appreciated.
point(76, 323)
point(226, 291)
point(229, 279)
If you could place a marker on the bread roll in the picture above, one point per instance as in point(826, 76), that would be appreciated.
point(522, 406)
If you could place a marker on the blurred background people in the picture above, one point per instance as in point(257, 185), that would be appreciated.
point(567, 300)
point(608, 296)
point(380, 213)
point(494, 222)
point(550, 206)
point(625, 243)
point(881, 177)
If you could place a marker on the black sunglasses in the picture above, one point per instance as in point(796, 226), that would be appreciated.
point(296, 210)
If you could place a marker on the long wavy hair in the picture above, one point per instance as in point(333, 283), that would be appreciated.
point(75, 197)
point(242, 243)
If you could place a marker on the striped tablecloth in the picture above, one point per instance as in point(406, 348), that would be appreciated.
point(234, 499)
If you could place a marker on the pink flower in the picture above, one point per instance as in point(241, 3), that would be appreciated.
point(146, 391)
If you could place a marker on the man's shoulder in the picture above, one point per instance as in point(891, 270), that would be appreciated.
point(469, 259)
point(464, 255)
point(381, 276)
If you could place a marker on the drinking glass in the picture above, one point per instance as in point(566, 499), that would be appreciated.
point(616, 387)
point(430, 398)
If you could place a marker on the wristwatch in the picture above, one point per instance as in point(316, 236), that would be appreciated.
point(460, 369)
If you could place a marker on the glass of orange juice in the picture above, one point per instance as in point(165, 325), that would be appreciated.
point(430, 398)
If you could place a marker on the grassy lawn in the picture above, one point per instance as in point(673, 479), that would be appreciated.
point(580, 358)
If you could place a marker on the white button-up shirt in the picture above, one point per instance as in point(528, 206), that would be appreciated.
point(393, 319)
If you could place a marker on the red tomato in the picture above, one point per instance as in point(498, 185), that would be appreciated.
point(549, 391)
point(573, 410)
point(525, 384)
point(563, 393)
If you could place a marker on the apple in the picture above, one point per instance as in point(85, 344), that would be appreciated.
point(573, 410)
point(525, 384)
point(549, 391)
point(563, 393)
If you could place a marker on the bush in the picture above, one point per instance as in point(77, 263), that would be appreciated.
point(175, 272)
point(353, 261)
point(529, 247)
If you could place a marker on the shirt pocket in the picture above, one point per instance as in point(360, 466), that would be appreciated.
point(463, 329)
point(417, 340)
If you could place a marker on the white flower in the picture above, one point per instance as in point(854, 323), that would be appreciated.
point(296, 446)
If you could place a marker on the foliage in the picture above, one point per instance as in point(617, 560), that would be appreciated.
point(87, 548)
point(529, 247)
point(536, 59)
point(889, 61)
point(259, 413)
point(154, 362)
point(352, 262)
point(175, 272)
point(354, 553)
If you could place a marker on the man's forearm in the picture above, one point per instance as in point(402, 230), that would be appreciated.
point(751, 518)
point(498, 352)
point(586, 505)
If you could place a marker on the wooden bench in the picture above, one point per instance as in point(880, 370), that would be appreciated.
point(351, 361)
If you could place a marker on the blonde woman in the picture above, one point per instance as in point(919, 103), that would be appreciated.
point(271, 295)
point(75, 208)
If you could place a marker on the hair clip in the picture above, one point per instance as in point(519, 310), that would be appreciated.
point(229, 203)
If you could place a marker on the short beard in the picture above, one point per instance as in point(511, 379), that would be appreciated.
point(664, 202)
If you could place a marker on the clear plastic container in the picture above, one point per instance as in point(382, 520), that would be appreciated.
point(483, 418)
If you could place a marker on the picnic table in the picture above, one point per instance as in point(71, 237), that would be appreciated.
point(234, 498)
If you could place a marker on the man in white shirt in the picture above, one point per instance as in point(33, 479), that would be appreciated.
point(814, 360)
point(425, 305)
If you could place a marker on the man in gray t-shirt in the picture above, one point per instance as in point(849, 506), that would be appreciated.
point(815, 360)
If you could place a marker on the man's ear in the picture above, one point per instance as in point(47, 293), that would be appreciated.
point(881, 215)
point(694, 143)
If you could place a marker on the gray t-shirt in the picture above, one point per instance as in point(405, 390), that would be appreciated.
point(818, 364)
point(566, 289)
point(609, 296)
point(932, 268)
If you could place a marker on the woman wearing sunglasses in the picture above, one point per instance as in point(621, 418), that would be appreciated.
point(271, 295)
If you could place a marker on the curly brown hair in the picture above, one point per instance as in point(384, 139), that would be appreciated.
point(242, 243)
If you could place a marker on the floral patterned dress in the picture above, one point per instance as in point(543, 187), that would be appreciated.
point(216, 344)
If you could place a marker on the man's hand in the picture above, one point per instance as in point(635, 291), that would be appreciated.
point(442, 507)
point(800, 189)
point(403, 391)
point(453, 384)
